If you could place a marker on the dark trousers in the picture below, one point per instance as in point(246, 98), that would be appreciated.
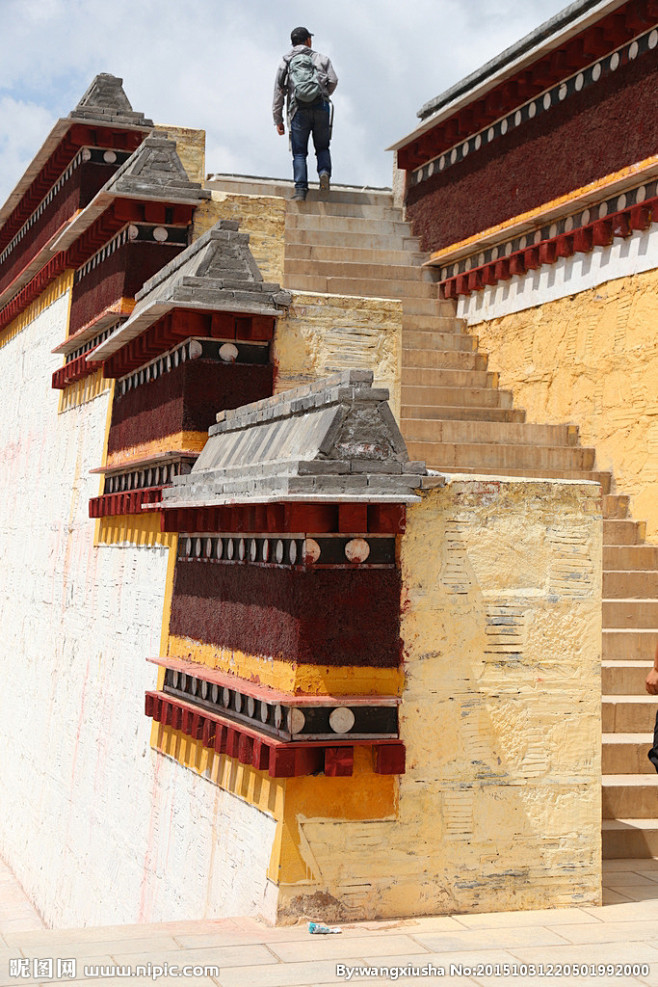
point(313, 119)
point(653, 753)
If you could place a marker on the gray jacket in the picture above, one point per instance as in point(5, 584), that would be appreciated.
point(326, 77)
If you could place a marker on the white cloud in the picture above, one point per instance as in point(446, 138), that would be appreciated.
point(211, 65)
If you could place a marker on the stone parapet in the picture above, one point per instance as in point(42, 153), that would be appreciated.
point(332, 440)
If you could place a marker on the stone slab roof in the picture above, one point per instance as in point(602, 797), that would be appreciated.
point(154, 171)
point(215, 273)
point(334, 441)
point(106, 102)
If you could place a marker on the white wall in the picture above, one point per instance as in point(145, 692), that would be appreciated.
point(97, 827)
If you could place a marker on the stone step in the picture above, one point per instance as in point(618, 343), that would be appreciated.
point(361, 287)
point(364, 240)
point(636, 644)
point(626, 753)
point(543, 460)
point(446, 413)
point(319, 253)
point(307, 220)
point(416, 339)
point(415, 359)
point(294, 268)
point(630, 557)
point(621, 584)
point(459, 396)
point(438, 339)
point(628, 714)
point(624, 678)
point(629, 838)
point(432, 325)
point(531, 473)
point(630, 795)
point(283, 188)
point(365, 211)
point(414, 306)
point(630, 613)
point(415, 429)
point(419, 377)
point(623, 532)
point(616, 506)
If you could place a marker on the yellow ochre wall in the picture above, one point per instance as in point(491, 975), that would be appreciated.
point(321, 333)
point(591, 359)
point(500, 805)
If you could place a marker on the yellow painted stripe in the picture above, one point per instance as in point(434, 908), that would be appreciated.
point(82, 391)
point(341, 680)
point(178, 442)
point(134, 529)
point(548, 210)
point(291, 801)
point(59, 286)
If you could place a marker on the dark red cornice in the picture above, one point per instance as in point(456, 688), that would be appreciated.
point(633, 18)
point(79, 135)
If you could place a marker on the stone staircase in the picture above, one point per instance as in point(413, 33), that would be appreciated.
point(456, 418)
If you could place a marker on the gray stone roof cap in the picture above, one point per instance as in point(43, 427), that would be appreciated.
point(106, 102)
point(215, 273)
point(334, 441)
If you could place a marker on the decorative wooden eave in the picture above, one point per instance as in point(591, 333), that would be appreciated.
point(585, 31)
point(216, 273)
point(153, 173)
point(104, 106)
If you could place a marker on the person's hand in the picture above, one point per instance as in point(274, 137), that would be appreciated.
point(280, 129)
point(651, 684)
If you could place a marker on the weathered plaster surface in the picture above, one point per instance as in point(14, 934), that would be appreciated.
point(97, 826)
point(592, 359)
point(323, 334)
point(263, 217)
point(500, 804)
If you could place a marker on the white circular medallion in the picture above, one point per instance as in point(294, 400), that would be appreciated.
point(292, 552)
point(614, 61)
point(133, 232)
point(596, 72)
point(357, 550)
point(580, 81)
point(310, 551)
point(547, 101)
point(341, 719)
point(278, 551)
point(160, 234)
point(228, 352)
point(251, 706)
point(633, 50)
point(264, 712)
point(296, 721)
point(109, 157)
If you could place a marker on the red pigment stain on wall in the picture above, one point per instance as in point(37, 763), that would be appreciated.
point(593, 133)
point(311, 616)
point(185, 399)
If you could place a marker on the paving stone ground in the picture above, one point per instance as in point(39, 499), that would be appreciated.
point(616, 943)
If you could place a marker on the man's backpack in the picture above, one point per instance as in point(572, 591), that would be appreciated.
point(303, 75)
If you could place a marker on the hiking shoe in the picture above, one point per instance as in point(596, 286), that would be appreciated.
point(324, 181)
point(299, 195)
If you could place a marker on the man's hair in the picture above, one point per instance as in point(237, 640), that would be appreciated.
point(299, 35)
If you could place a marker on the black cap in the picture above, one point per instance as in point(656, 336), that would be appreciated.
point(299, 35)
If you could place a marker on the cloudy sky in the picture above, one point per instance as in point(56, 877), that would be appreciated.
point(211, 63)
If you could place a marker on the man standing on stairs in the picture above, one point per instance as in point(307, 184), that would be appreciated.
point(651, 686)
point(307, 79)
